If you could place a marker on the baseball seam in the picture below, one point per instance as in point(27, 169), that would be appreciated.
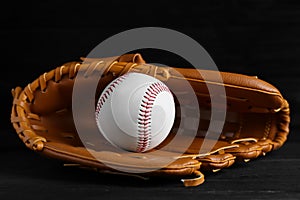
point(107, 93)
point(144, 119)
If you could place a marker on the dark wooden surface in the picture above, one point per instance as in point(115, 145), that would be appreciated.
point(253, 37)
point(26, 175)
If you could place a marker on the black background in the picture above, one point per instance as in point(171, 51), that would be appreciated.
point(258, 37)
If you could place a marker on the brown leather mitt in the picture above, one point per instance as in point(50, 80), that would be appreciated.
point(256, 120)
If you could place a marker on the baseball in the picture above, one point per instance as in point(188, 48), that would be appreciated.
point(135, 112)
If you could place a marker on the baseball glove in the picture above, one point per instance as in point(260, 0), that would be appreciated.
point(256, 121)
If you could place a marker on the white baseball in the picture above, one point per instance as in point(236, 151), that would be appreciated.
point(135, 112)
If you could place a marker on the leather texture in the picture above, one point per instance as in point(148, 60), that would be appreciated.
point(257, 120)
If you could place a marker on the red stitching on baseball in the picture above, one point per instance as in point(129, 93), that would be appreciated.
point(144, 120)
point(107, 93)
